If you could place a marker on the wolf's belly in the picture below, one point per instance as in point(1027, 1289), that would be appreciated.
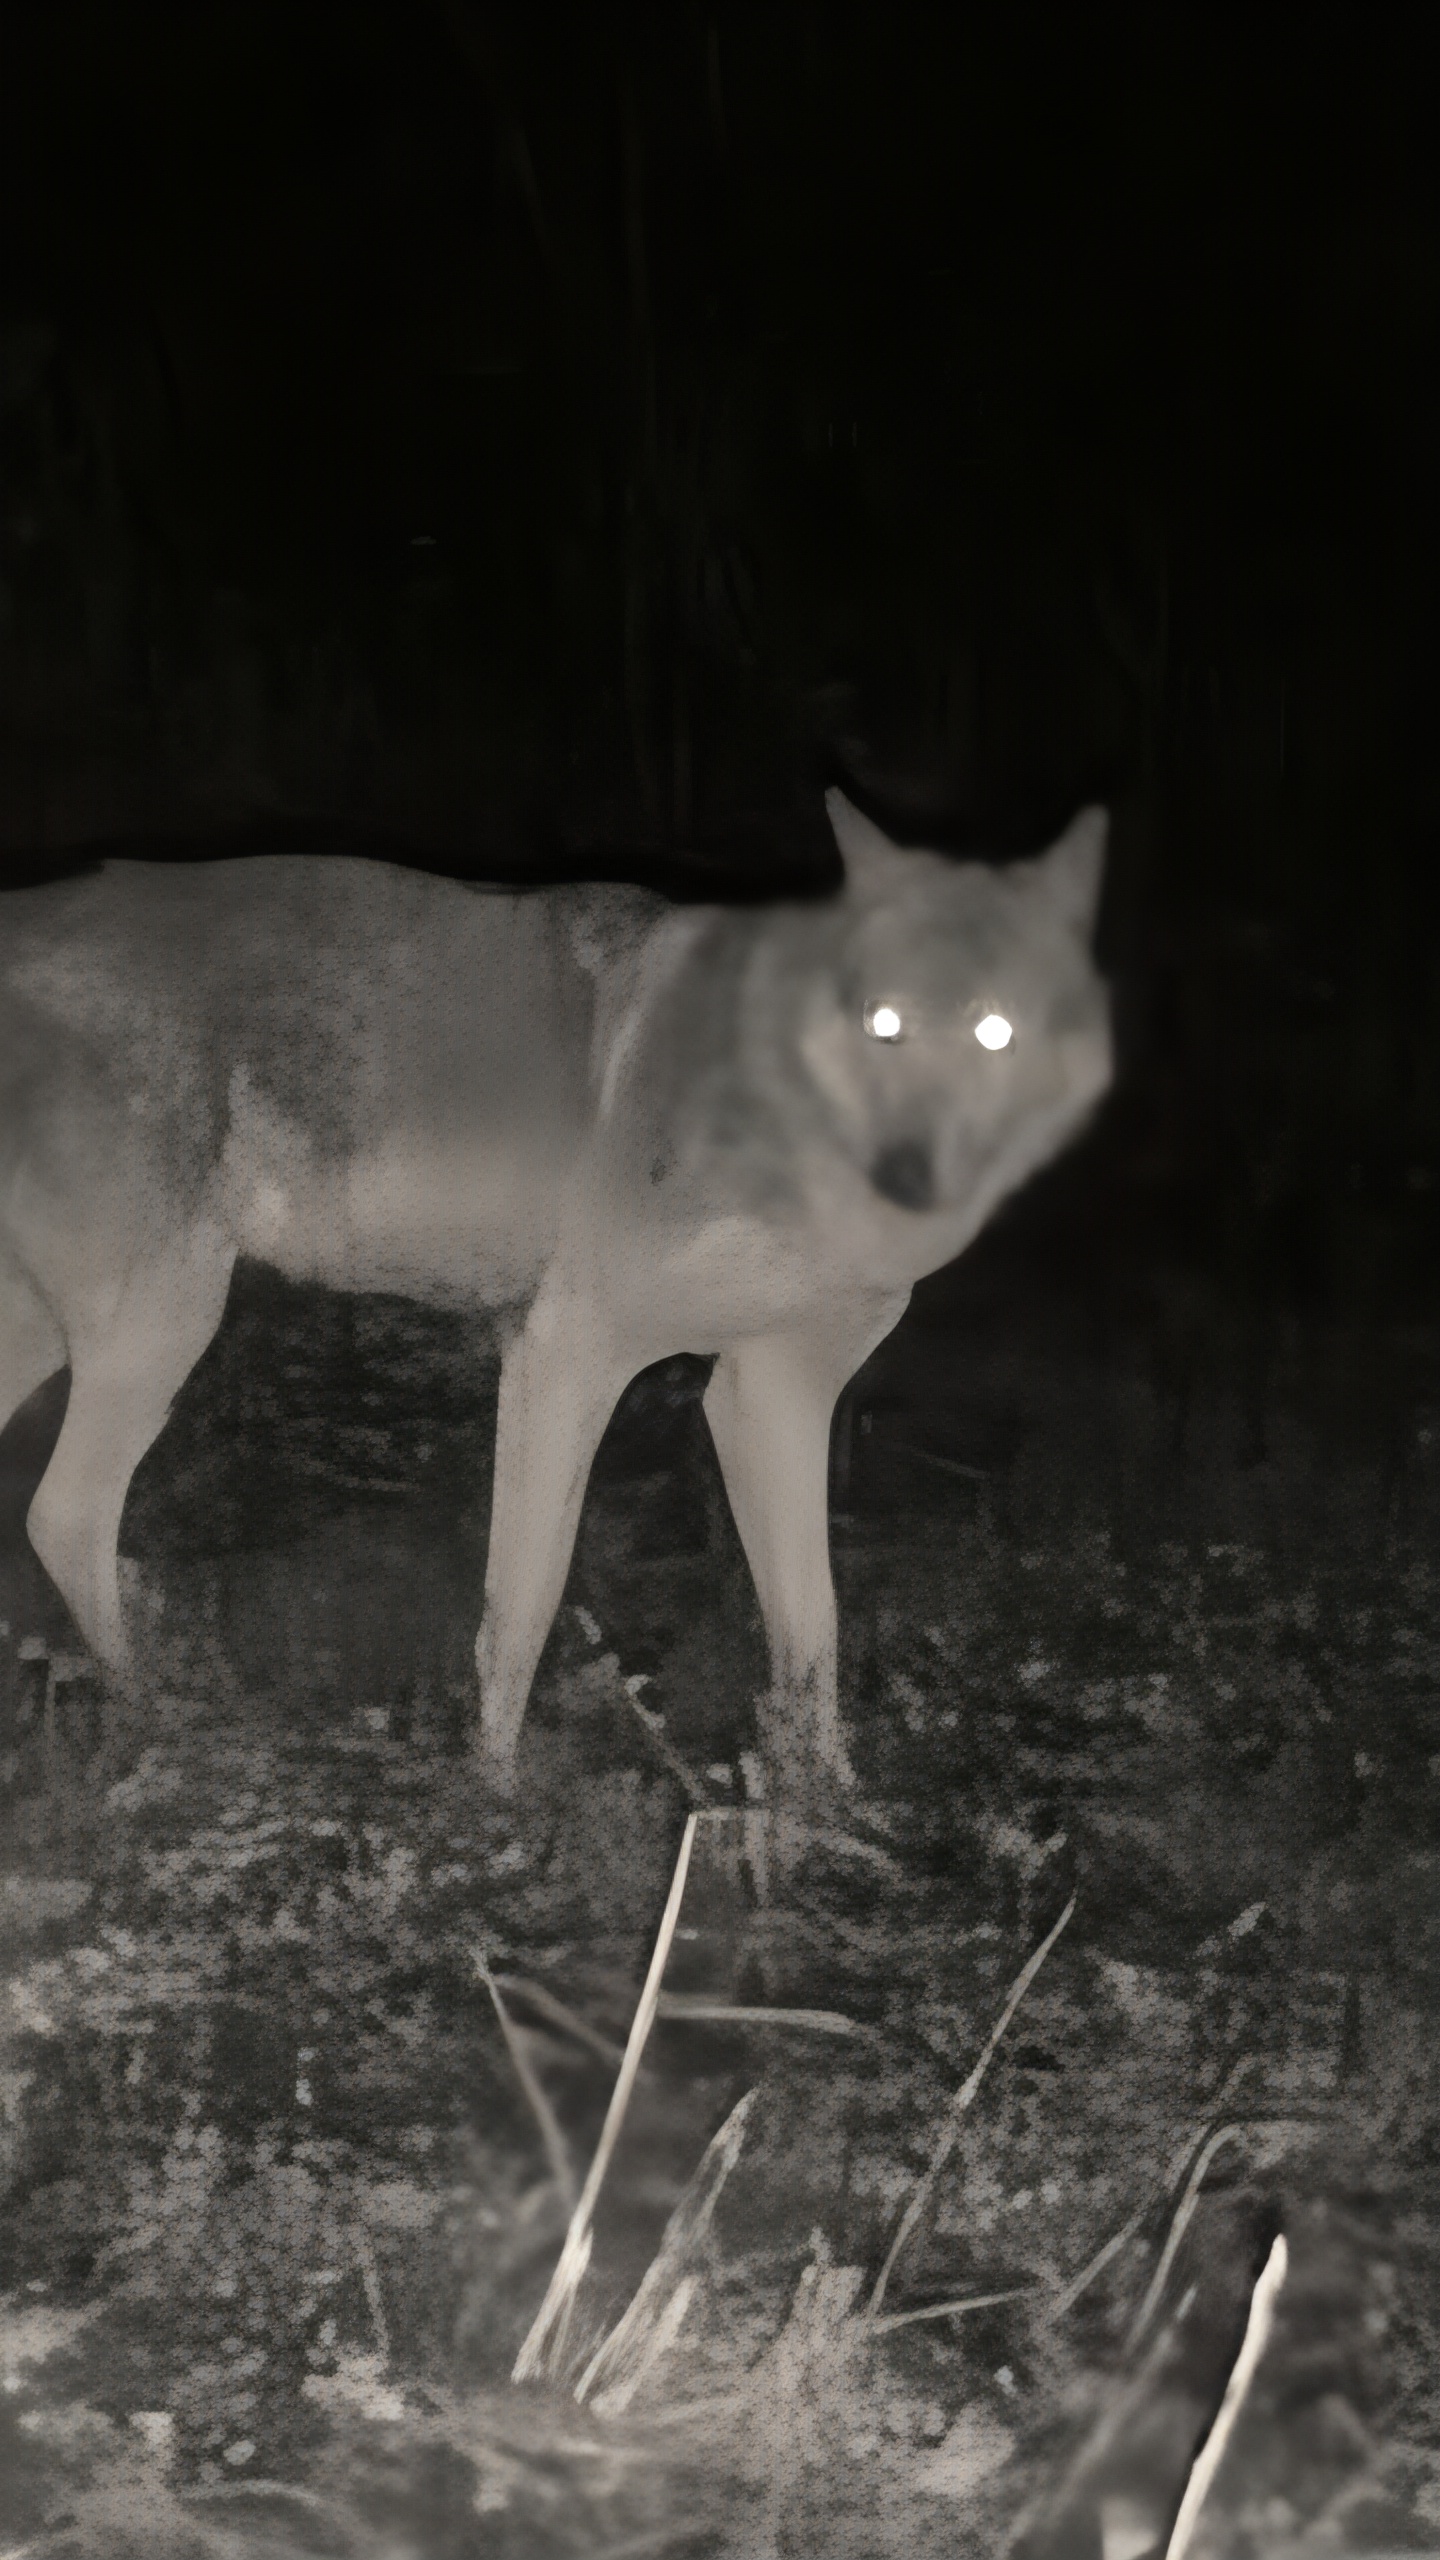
point(441, 1222)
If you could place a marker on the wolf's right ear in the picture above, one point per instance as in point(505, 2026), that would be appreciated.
point(873, 865)
point(1074, 869)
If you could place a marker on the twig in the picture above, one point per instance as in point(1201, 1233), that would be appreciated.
point(540, 2107)
point(703, 2010)
point(959, 2107)
point(687, 2224)
point(542, 2344)
point(1178, 2228)
point(250, 2489)
point(370, 2278)
point(1252, 2347)
point(1070, 2295)
point(950, 2310)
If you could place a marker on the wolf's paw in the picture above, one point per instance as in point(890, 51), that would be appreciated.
point(497, 1766)
point(802, 1746)
point(796, 1806)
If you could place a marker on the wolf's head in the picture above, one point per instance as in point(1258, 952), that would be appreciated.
point(962, 1033)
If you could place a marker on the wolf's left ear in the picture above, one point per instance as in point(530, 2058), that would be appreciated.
point(1074, 869)
point(873, 865)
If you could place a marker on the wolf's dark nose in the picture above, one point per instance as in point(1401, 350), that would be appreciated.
point(905, 1174)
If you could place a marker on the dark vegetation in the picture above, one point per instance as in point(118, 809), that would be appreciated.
point(265, 2117)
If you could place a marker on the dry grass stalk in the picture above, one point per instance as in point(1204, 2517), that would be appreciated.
point(540, 2107)
point(375, 2299)
point(960, 2105)
point(1070, 2294)
point(616, 2357)
point(650, 2351)
point(1184, 2212)
point(544, 2344)
point(1252, 2347)
point(288, 2492)
point(518, 1986)
point(947, 2310)
point(702, 2009)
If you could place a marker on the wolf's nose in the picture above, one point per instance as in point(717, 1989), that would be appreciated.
point(905, 1174)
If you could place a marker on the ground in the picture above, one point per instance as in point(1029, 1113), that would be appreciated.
point(284, 2194)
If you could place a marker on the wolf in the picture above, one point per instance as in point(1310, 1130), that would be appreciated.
point(627, 1127)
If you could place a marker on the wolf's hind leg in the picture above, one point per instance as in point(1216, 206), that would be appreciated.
point(129, 1357)
point(32, 1346)
point(769, 1406)
point(559, 1383)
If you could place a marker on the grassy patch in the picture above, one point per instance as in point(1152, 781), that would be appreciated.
point(308, 2050)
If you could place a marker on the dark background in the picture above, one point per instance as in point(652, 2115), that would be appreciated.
point(538, 442)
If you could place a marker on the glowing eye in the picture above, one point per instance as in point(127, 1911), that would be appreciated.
point(994, 1032)
point(882, 1022)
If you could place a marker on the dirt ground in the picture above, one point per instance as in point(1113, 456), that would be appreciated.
point(282, 2199)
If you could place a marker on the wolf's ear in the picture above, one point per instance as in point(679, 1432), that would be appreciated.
point(874, 867)
point(1072, 871)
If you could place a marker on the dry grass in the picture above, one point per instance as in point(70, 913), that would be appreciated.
point(891, 2242)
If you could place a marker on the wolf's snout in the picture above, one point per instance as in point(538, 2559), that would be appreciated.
point(905, 1173)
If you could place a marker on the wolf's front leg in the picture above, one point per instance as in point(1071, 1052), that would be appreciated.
point(560, 1380)
point(769, 1406)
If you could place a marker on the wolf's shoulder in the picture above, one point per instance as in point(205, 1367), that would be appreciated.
point(609, 922)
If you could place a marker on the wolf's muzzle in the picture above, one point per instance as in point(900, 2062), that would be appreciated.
point(905, 1173)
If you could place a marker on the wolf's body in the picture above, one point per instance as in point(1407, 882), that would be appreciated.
point(629, 1128)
